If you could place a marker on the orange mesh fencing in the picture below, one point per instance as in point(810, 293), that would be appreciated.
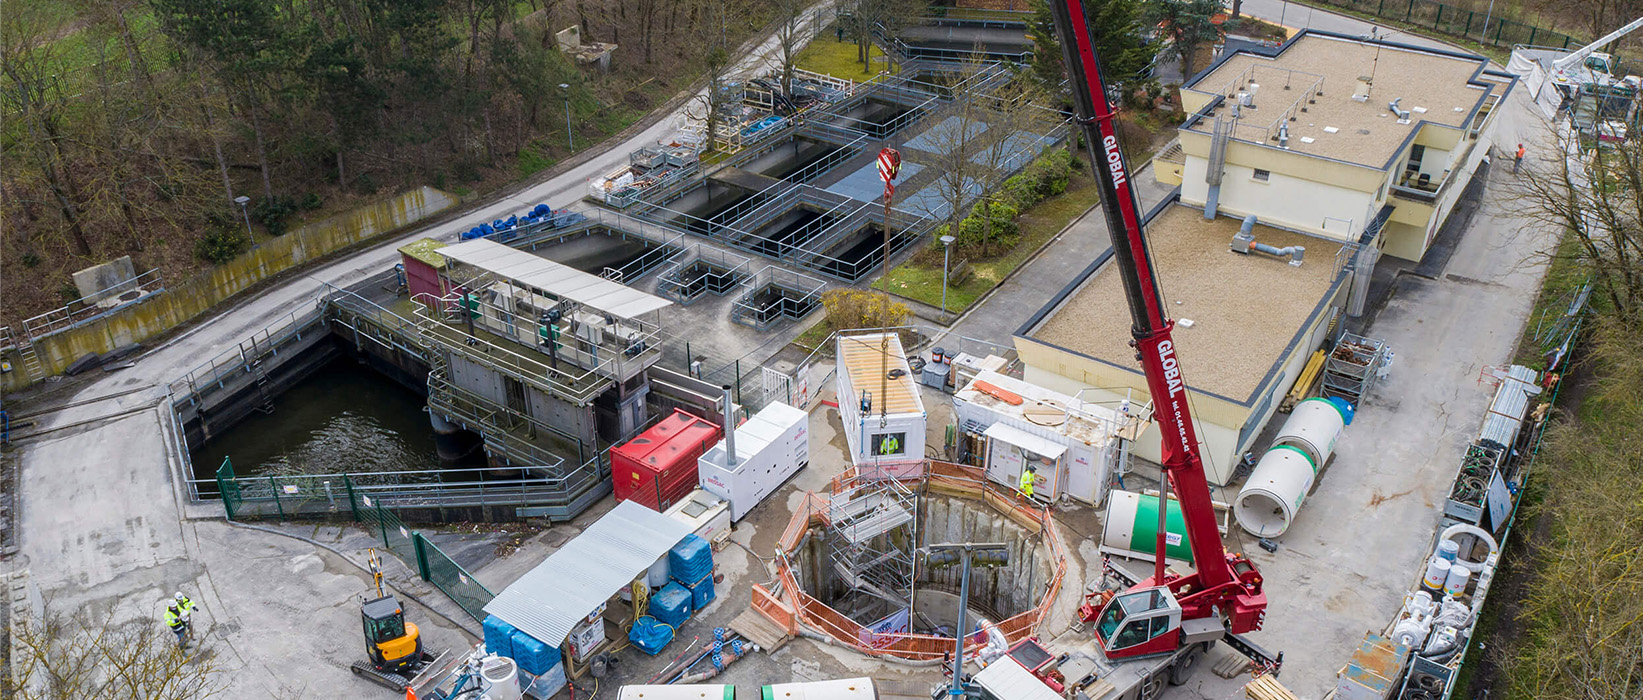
point(806, 609)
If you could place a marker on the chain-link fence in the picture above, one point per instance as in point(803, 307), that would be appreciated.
point(1458, 21)
point(439, 569)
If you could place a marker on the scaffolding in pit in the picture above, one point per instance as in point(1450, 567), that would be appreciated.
point(872, 538)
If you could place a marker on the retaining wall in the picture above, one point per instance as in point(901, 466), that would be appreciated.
point(184, 301)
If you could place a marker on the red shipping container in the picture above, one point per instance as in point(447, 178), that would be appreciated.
point(658, 468)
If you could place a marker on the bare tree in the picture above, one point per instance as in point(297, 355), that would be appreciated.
point(981, 136)
point(33, 91)
point(1597, 197)
point(791, 34)
point(58, 657)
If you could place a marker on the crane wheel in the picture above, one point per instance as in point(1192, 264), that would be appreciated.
point(1184, 666)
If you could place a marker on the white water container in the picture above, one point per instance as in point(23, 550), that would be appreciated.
point(502, 677)
point(656, 576)
point(1459, 576)
point(1448, 549)
point(1437, 574)
point(1269, 500)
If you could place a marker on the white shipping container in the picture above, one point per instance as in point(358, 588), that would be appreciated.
point(707, 514)
point(843, 689)
point(888, 433)
point(678, 692)
point(770, 447)
point(1088, 432)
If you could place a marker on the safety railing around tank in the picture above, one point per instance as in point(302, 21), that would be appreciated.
point(574, 365)
point(812, 613)
point(749, 204)
point(95, 304)
point(782, 202)
point(366, 318)
point(676, 283)
point(242, 359)
point(497, 421)
point(775, 294)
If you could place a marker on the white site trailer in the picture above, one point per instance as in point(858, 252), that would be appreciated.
point(1075, 446)
point(884, 418)
point(765, 451)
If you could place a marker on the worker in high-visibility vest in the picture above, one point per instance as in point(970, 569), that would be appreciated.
point(1028, 476)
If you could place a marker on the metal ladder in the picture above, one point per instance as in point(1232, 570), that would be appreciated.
point(253, 364)
point(31, 360)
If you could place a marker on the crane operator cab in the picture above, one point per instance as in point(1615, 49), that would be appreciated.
point(393, 644)
point(1140, 623)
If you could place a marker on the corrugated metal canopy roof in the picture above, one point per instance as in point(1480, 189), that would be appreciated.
point(559, 280)
point(552, 598)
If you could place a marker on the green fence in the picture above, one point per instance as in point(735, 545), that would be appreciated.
point(287, 496)
point(439, 569)
point(1461, 22)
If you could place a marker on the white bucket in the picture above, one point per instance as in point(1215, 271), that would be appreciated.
point(1455, 584)
point(502, 677)
point(1437, 573)
point(1448, 549)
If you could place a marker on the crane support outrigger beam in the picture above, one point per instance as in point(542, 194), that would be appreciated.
point(1224, 585)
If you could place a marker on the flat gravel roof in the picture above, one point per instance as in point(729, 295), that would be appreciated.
point(1245, 309)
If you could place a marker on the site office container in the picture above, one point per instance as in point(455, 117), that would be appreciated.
point(658, 468)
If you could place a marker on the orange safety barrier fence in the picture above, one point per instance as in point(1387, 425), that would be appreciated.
point(795, 606)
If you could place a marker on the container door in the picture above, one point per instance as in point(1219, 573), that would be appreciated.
point(1083, 479)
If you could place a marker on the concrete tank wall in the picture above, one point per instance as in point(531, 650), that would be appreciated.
point(1007, 590)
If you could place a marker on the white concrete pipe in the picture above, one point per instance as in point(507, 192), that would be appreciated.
point(1268, 503)
point(1313, 426)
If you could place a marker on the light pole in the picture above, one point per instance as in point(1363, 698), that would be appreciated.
point(569, 137)
point(965, 553)
point(946, 255)
point(243, 200)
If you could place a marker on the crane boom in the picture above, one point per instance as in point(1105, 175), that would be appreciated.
point(1223, 584)
point(1580, 54)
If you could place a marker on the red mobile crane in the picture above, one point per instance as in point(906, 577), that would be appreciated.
point(1178, 616)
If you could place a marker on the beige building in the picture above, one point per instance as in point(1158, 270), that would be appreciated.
point(1245, 326)
point(1337, 136)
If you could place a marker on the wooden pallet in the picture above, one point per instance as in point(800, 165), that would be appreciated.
point(1267, 688)
point(756, 628)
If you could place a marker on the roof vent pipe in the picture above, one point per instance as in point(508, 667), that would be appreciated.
point(730, 429)
point(1244, 242)
point(1402, 114)
point(1283, 136)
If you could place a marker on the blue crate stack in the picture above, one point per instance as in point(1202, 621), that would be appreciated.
point(650, 635)
point(690, 564)
point(532, 655)
point(671, 605)
point(499, 636)
point(690, 560)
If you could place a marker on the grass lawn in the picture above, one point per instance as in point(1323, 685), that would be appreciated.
point(1564, 276)
point(838, 59)
point(1038, 225)
point(815, 335)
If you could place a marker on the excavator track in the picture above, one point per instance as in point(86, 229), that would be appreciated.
point(391, 681)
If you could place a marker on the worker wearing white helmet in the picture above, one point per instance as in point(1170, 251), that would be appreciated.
point(183, 603)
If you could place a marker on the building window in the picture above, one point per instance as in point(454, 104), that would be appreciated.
point(1262, 175)
point(886, 444)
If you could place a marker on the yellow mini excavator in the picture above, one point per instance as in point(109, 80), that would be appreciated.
point(394, 645)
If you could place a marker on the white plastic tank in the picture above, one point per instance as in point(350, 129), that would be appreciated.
point(501, 677)
point(1437, 574)
point(1313, 426)
point(656, 576)
point(1269, 500)
point(1455, 583)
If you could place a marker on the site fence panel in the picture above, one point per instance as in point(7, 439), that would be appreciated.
point(463, 589)
point(1482, 27)
point(387, 526)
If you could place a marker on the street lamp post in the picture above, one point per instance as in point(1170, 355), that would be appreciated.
point(569, 137)
point(243, 200)
point(946, 255)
